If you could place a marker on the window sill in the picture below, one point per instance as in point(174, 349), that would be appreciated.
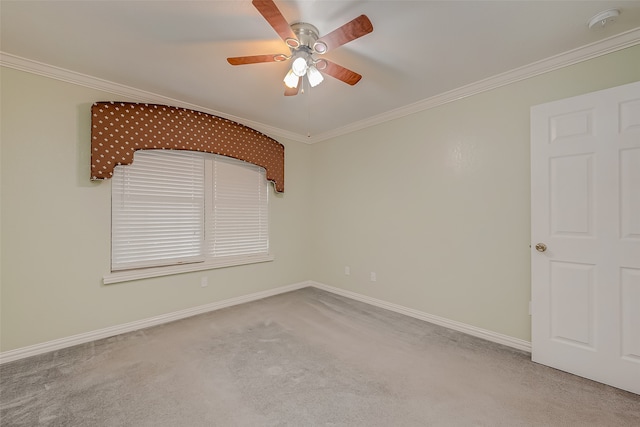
point(145, 273)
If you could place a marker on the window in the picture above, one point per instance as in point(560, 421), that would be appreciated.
point(175, 211)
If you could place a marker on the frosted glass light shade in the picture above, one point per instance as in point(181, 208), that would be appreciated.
point(299, 66)
point(291, 80)
point(314, 76)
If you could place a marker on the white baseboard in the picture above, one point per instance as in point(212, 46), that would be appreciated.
point(33, 350)
point(451, 324)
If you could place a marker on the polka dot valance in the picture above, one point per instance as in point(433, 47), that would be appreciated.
point(118, 129)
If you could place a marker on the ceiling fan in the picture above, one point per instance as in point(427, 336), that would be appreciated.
point(304, 43)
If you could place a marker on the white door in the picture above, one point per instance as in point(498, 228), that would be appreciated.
point(585, 208)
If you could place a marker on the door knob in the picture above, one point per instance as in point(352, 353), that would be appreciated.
point(541, 247)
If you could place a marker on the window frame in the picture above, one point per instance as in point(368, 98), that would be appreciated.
point(116, 276)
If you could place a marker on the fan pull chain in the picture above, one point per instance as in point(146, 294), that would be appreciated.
point(308, 114)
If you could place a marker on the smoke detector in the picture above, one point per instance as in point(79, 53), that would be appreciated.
point(603, 18)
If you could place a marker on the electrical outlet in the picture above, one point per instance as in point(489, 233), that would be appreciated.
point(373, 276)
point(347, 270)
point(204, 281)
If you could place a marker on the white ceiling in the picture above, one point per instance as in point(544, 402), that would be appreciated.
point(418, 50)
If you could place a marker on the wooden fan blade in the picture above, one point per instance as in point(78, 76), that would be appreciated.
point(352, 30)
point(341, 73)
point(290, 91)
point(271, 13)
point(255, 59)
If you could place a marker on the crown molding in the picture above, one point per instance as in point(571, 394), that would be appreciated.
point(584, 53)
point(135, 95)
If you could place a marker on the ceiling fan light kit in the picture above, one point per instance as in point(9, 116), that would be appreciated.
point(303, 41)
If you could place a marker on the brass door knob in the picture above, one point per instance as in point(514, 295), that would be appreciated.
point(541, 247)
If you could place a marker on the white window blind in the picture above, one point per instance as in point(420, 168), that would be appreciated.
point(177, 207)
point(237, 212)
point(158, 210)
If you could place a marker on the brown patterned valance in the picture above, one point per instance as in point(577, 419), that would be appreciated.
point(118, 129)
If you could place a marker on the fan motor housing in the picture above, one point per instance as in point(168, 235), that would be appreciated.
point(307, 34)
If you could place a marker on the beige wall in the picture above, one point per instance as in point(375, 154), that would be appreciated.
point(56, 226)
point(437, 203)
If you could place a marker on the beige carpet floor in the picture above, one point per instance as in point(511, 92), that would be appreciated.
point(305, 358)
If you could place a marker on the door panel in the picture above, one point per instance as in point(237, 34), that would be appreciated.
point(630, 282)
point(572, 303)
point(629, 116)
point(566, 127)
point(585, 206)
point(630, 199)
point(571, 195)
